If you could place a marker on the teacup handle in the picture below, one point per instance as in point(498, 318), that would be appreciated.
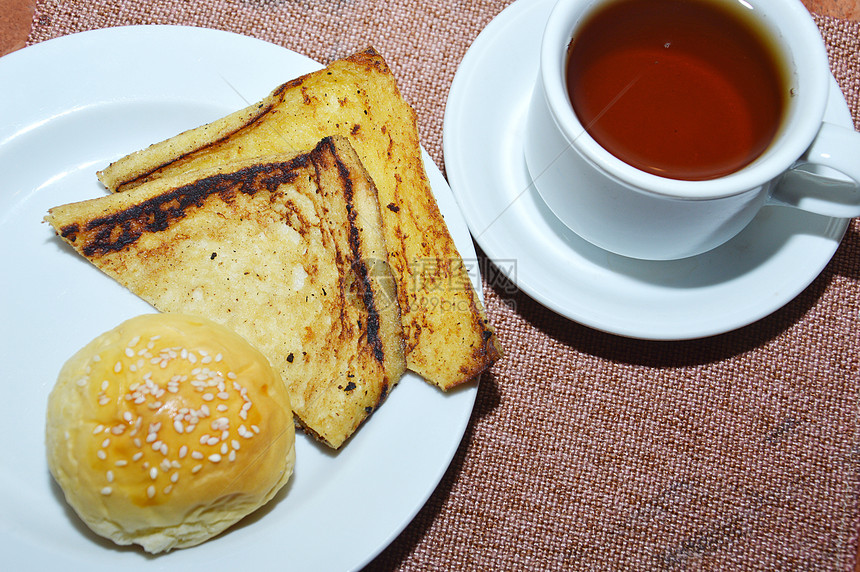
point(835, 147)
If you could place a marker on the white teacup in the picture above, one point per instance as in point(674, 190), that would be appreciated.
point(637, 214)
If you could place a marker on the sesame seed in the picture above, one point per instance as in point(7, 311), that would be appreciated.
point(196, 455)
point(97, 358)
point(222, 408)
point(255, 429)
point(223, 395)
point(134, 341)
point(151, 437)
point(224, 448)
point(231, 375)
point(106, 491)
point(150, 491)
point(137, 443)
point(167, 489)
point(183, 450)
point(235, 444)
point(103, 400)
point(232, 456)
point(129, 352)
point(196, 468)
point(212, 441)
point(137, 456)
point(105, 443)
point(177, 425)
point(109, 476)
point(206, 359)
point(218, 357)
point(153, 473)
point(117, 429)
point(127, 416)
point(174, 477)
point(101, 455)
point(121, 463)
point(105, 385)
point(117, 367)
point(163, 449)
point(208, 396)
point(215, 457)
point(98, 429)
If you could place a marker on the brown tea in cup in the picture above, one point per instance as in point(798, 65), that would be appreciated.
point(684, 89)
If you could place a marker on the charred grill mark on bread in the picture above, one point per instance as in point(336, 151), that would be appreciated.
point(359, 266)
point(120, 229)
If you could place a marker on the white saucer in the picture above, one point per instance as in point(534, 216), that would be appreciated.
point(778, 255)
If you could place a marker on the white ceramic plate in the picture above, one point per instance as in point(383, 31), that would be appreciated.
point(757, 272)
point(67, 108)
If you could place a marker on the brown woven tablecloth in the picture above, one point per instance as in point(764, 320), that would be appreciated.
point(586, 450)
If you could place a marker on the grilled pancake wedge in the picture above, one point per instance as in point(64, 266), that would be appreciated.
point(287, 251)
point(448, 338)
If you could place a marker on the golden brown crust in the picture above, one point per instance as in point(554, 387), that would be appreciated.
point(449, 340)
point(281, 250)
point(167, 429)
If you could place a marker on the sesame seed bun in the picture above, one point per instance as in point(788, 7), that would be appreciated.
point(168, 429)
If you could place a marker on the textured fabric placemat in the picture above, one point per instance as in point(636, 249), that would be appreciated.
point(586, 450)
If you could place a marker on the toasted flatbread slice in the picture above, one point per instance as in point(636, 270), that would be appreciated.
point(287, 251)
point(448, 338)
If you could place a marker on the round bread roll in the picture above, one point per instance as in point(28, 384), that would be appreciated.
point(167, 430)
